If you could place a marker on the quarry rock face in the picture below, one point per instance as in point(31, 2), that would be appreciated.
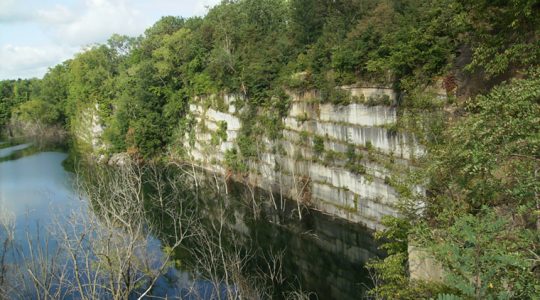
point(339, 159)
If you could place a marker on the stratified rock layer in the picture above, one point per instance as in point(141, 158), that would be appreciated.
point(327, 180)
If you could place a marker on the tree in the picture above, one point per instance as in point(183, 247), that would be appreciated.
point(504, 34)
point(483, 186)
point(491, 156)
point(55, 89)
point(484, 257)
point(36, 111)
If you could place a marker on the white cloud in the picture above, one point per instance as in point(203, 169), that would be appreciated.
point(180, 7)
point(45, 33)
point(7, 6)
point(96, 21)
point(60, 14)
point(202, 6)
point(12, 12)
point(24, 62)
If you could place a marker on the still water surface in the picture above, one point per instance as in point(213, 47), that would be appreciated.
point(322, 255)
point(33, 185)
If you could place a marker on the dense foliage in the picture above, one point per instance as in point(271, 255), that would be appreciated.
point(13, 93)
point(484, 187)
point(141, 86)
point(480, 216)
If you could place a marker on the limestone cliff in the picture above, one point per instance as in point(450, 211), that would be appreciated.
point(339, 159)
point(87, 128)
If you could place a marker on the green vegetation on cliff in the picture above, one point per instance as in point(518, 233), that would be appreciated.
point(479, 217)
point(252, 48)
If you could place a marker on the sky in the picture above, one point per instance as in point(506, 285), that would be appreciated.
point(38, 34)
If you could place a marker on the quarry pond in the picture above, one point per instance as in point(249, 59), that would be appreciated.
point(189, 238)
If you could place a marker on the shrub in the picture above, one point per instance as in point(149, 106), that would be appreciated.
point(357, 168)
point(222, 130)
point(304, 137)
point(379, 100)
point(336, 96)
point(233, 161)
point(330, 156)
point(318, 145)
point(369, 146)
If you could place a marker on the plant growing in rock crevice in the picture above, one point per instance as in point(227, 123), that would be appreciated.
point(354, 160)
point(318, 145)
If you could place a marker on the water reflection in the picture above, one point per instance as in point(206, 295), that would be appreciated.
point(319, 253)
point(237, 241)
point(33, 184)
point(12, 149)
